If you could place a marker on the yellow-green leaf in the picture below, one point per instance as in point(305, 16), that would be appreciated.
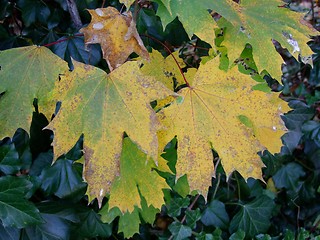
point(165, 70)
point(116, 33)
point(262, 21)
point(26, 73)
point(137, 178)
point(193, 15)
point(103, 107)
point(220, 108)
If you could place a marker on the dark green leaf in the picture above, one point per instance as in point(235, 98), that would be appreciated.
point(62, 179)
point(33, 11)
point(180, 231)
point(294, 119)
point(43, 161)
point(263, 237)
point(238, 235)
point(205, 236)
point(273, 163)
point(9, 159)
point(253, 217)
point(74, 47)
point(9, 233)
point(90, 225)
point(175, 206)
point(15, 210)
point(215, 215)
point(55, 228)
point(288, 176)
point(192, 217)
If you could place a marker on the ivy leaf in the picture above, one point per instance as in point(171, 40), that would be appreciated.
point(192, 217)
point(15, 210)
point(216, 215)
point(9, 159)
point(137, 178)
point(238, 235)
point(116, 33)
point(75, 48)
point(288, 177)
point(267, 19)
point(38, 69)
point(175, 206)
point(221, 108)
point(9, 233)
point(90, 225)
point(253, 217)
point(62, 179)
point(102, 107)
point(180, 231)
point(55, 228)
point(33, 11)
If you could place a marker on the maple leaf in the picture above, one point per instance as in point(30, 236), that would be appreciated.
point(102, 107)
point(192, 14)
point(165, 70)
point(262, 21)
point(116, 33)
point(26, 73)
point(222, 108)
point(136, 179)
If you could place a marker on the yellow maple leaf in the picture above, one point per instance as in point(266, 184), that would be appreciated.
point(103, 107)
point(116, 33)
point(222, 109)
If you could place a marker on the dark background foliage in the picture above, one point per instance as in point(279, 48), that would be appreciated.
point(41, 200)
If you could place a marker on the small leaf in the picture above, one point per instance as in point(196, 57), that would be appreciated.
point(9, 159)
point(62, 179)
point(116, 33)
point(9, 233)
point(238, 235)
point(74, 48)
point(216, 215)
point(55, 228)
point(175, 206)
point(192, 217)
point(15, 210)
point(288, 177)
point(253, 217)
point(90, 225)
point(180, 231)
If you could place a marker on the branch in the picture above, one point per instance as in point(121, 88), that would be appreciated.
point(74, 13)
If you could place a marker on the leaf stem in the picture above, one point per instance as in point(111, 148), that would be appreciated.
point(174, 58)
point(62, 40)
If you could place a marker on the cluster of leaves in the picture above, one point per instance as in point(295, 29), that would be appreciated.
point(234, 208)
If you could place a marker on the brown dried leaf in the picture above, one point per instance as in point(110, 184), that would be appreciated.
point(116, 33)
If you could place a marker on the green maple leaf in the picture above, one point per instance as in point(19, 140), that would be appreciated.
point(137, 177)
point(103, 107)
point(262, 21)
point(26, 73)
point(193, 15)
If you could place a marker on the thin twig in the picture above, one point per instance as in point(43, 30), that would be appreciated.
point(189, 208)
point(74, 13)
